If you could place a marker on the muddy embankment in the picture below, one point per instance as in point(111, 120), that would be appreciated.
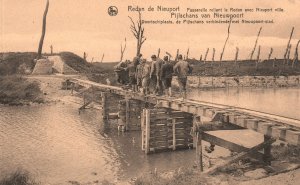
point(203, 82)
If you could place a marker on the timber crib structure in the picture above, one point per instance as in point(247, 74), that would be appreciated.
point(169, 124)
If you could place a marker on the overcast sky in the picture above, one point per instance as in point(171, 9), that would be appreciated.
point(84, 25)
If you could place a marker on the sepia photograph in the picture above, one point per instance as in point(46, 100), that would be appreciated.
point(160, 92)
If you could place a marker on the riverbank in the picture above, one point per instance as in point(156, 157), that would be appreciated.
point(16, 90)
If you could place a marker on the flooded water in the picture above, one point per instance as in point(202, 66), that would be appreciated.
point(283, 101)
point(57, 145)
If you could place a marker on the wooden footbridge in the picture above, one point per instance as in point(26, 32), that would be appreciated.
point(171, 123)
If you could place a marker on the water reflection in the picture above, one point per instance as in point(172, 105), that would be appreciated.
point(284, 102)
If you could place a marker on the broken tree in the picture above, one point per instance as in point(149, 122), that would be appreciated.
point(43, 31)
point(228, 33)
point(252, 52)
point(122, 50)
point(138, 32)
point(296, 54)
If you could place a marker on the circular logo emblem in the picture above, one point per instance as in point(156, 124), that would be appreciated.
point(112, 11)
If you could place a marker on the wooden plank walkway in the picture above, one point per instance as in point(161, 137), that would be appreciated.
point(278, 127)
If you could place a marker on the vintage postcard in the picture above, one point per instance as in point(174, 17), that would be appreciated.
point(149, 92)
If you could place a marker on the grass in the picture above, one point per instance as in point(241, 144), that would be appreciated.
point(181, 176)
point(18, 178)
point(16, 90)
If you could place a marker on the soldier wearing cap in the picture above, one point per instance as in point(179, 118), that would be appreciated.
point(155, 74)
point(166, 75)
point(182, 69)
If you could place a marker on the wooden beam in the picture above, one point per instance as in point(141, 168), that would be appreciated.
point(238, 157)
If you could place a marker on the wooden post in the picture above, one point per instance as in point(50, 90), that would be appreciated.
point(147, 131)
point(104, 110)
point(267, 150)
point(127, 114)
point(199, 156)
point(73, 85)
point(174, 133)
point(143, 119)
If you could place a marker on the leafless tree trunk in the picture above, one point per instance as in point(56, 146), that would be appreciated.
point(177, 53)
point(257, 59)
point(270, 54)
point(138, 32)
point(274, 61)
point(206, 54)
point(84, 56)
point(122, 50)
point(236, 55)
point(296, 54)
point(252, 53)
point(51, 48)
point(200, 58)
point(43, 31)
point(187, 53)
point(158, 52)
point(228, 33)
point(213, 56)
point(288, 55)
point(288, 44)
point(102, 58)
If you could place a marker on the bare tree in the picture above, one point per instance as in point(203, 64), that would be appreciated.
point(137, 30)
point(187, 53)
point(84, 56)
point(228, 33)
point(296, 54)
point(177, 53)
point(158, 52)
point(288, 44)
point(205, 57)
point(43, 31)
point(213, 56)
point(252, 52)
point(122, 50)
point(51, 49)
point(200, 58)
point(288, 55)
point(270, 54)
point(258, 55)
point(102, 58)
point(236, 55)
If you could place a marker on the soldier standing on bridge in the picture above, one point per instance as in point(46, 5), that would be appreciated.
point(182, 69)
point(166, 76)
point(155, 74)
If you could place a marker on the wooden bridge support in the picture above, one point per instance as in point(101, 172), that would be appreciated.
point(130, 111)
point(165, 129)
point(109, 103)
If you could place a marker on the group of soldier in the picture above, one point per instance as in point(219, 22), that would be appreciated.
point(153, 76)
